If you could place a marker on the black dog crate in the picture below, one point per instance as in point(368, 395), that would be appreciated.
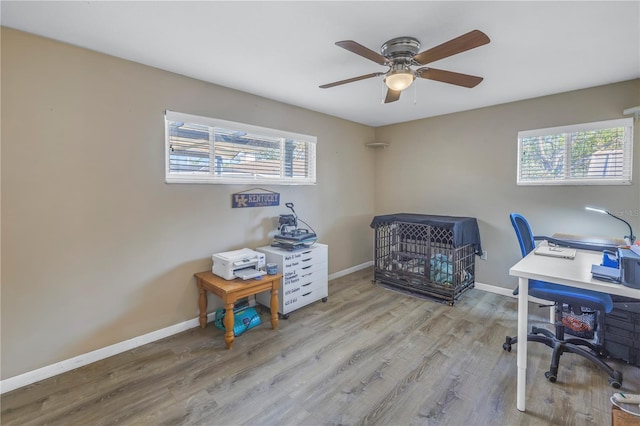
point(426, 254)
point(622, 330)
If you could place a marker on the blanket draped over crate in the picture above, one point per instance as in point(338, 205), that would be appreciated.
point(465, 229)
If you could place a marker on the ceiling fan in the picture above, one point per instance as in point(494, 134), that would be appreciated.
point(401, 53)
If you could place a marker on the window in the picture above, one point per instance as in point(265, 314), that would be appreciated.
point(207, 150)
point(583, 154)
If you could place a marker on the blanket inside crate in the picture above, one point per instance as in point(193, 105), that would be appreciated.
point(441, 269)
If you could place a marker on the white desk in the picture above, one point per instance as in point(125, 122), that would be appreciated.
point(573, 273)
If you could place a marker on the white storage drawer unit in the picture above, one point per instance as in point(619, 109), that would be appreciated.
point(304, 276)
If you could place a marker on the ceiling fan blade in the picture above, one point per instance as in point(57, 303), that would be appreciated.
point(365, 52)
point(450, 77)
point(460, 44)
point(350, 80)
point(392, 96)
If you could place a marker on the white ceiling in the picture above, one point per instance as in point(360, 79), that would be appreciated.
point(285, 50)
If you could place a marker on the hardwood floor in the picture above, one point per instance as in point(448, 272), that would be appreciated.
point(367, 356)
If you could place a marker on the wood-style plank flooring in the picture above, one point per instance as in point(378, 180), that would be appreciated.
point(367, 356)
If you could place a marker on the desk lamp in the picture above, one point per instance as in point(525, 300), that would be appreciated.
point(630, 239)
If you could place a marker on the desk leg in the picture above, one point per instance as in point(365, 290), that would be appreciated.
point(228, 324)
point(202, 302)
point(274, 305)
point(523, 313)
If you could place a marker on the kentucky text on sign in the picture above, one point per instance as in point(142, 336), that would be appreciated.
point(243, 199)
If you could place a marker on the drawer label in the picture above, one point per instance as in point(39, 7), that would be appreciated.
point(296, 255)
point(292, 291)
point(291, 280)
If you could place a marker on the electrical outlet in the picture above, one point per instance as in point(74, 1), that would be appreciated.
point(484, 255)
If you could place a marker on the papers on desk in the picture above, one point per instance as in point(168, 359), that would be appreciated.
point(562, 252)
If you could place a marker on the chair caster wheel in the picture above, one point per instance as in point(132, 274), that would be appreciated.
point(507, 344)
point(324, 300)
point(614, 383)
point(551, 377)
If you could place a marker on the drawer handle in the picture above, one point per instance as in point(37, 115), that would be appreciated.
point(307, 252)
point(306, 294)
point(306, 260)
point(304, 285)
point(306, 267)
point(306, 275)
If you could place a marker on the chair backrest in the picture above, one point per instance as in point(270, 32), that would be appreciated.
point(523, 232)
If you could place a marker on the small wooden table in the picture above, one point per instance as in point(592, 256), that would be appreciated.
point(232, 290)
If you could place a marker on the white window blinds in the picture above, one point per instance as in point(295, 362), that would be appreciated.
point(584, 154)
point(205, 150)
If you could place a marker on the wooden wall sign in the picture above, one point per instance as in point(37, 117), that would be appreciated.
point(255, 199)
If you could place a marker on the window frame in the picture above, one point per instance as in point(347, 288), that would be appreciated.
point(627, 166)
point(212, 178)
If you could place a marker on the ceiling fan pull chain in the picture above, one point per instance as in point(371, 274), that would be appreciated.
point(415, 94)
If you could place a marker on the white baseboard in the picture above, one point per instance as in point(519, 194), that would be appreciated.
point(350, 270)
point(506, 292)
point(30, 377)
point(494, 289)
point(7, 385)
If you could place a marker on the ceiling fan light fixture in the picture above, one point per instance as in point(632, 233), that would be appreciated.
point(399, 80)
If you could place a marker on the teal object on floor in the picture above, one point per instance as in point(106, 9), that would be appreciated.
point(244, 320)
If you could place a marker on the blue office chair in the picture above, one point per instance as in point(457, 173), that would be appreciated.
point(576, 298)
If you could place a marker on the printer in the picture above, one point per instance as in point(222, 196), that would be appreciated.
point(244, 263)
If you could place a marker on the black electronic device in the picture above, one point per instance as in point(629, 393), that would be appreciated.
point(287, 220)
point(290, 236)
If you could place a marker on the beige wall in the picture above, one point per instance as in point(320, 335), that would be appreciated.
point(96, 248)
point(465, 165)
